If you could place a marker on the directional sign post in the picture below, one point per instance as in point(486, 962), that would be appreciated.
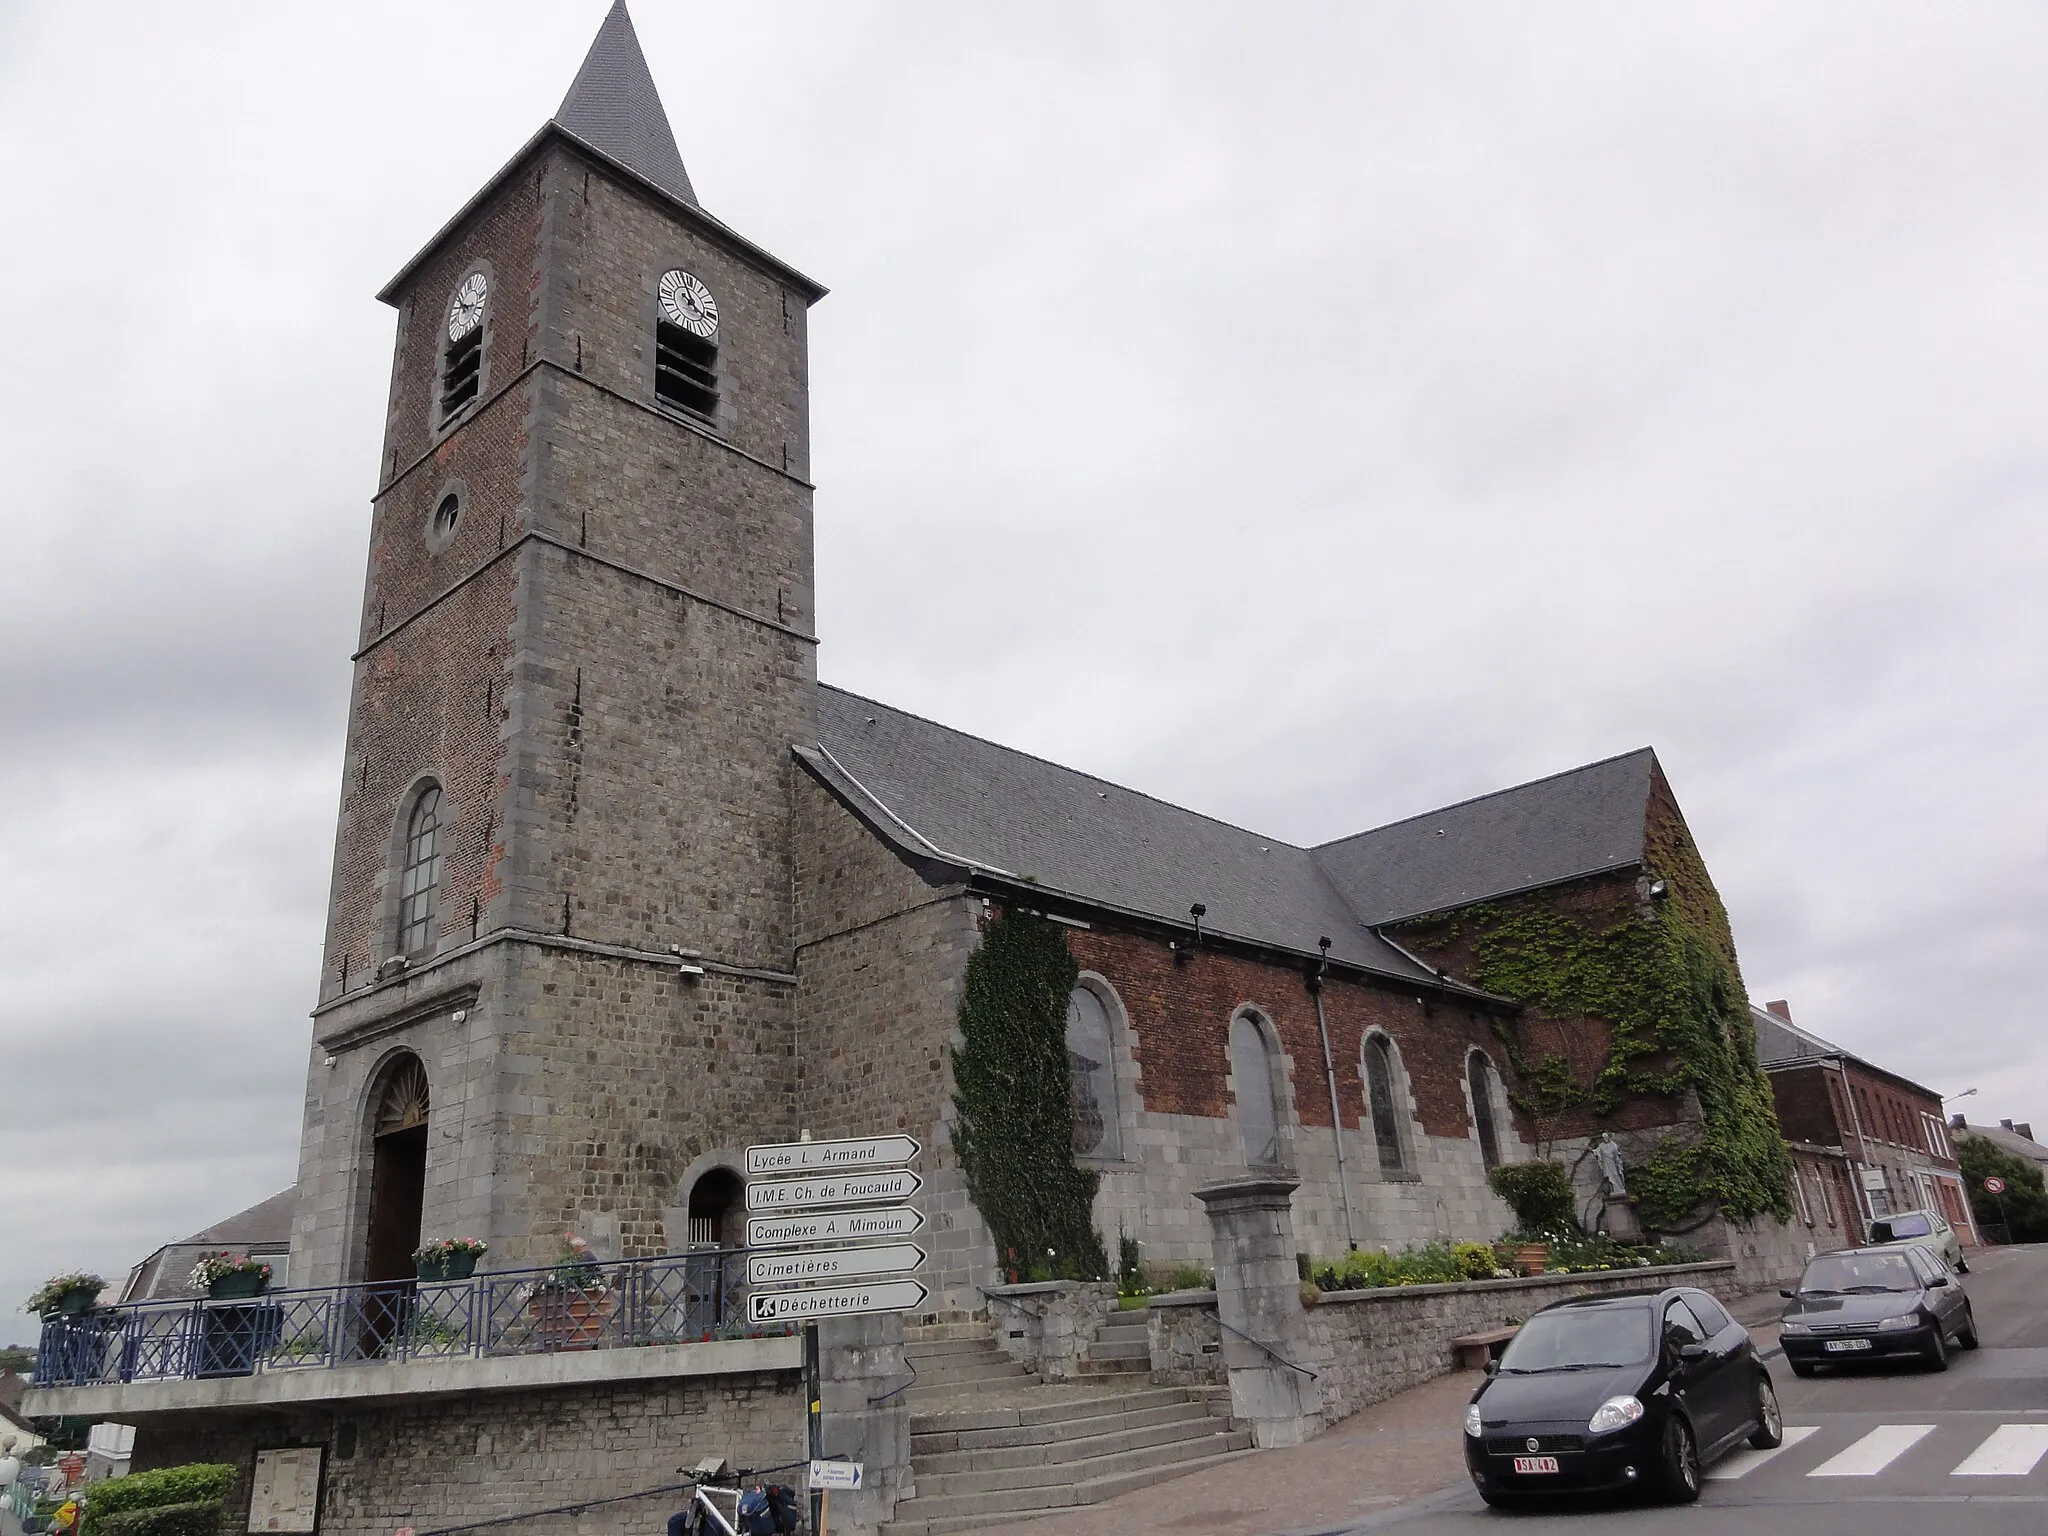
point(836, 1474)
point(832, 1226)
point(832, 1189)
point(835, 1301)
point(793, 1265)
point(852, 1153)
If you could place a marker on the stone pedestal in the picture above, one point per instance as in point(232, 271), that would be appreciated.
point(1258, 1298)
point(861, 1359)
point(1618, 1219)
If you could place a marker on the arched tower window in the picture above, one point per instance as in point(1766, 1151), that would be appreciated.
point(686, 345)
point(1479, 1076)
point(1383, 1095)
point(419, 881)
point(1258, 1104)
point(462, 364)
point(1091, 1064)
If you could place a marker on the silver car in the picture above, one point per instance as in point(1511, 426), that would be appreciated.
point(1923, 1229)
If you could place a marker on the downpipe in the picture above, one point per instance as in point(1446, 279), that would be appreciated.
point(1315, 987)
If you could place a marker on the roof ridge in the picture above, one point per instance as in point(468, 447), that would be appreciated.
point(1079, 773)
point(1493, 794)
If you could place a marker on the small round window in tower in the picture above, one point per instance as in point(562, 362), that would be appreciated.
point(447, 515)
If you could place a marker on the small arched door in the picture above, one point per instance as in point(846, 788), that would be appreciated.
point(398, 1171)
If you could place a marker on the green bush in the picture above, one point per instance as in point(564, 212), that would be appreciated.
point(1540, 1194)
point(198, 1483)
point(1192, 1277)
point(1575, 1252)
point(2023, 1208)
point(202, 1519)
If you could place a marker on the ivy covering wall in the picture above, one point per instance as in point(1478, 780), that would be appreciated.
point(1013, 1093)
point(1661, 974)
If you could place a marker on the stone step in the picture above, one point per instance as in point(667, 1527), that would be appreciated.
point(1120, 1349)
point(1141, 1366)
point(968, 1368)
point(1056, 1411)
point(946, 1349)
point(1000, 1437)
point(933, 1333)
point(1112, 1442)
point(1082, 1469)
point(924, 1516)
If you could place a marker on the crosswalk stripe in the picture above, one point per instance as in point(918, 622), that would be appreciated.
point(1747, 1460)
point(1874, 1452)
point(2011, 1451)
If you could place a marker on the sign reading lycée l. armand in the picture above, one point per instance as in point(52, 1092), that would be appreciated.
point(847, 1153)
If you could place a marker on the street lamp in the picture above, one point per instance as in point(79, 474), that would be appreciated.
point(1963, 1095)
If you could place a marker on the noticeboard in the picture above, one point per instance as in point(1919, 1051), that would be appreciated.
point(285, 1493)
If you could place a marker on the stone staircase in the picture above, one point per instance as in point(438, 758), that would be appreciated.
point(989, 1443)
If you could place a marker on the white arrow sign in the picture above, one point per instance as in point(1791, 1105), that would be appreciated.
point(832, 1263)
point(811, 1156)
point(832, 1226)
point(835, 1474)
point(831, 1189)
point(835, 1301)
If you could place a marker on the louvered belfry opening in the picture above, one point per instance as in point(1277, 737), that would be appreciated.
point(462, 373)
point(685, 370)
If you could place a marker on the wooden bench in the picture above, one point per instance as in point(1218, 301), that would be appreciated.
point(1473, 1350)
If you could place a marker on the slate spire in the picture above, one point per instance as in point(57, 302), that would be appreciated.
point(613, 106)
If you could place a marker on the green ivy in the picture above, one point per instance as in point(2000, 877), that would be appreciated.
point(1664, 981)
point(1012, 1092)
point(1539, 1193)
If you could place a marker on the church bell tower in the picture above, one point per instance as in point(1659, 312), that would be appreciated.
point(557, 976)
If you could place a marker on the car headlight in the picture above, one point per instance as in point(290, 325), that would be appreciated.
point(1472, 1424)
point(1784, 1328)
point(1893, 1324)
point(1615, 1413)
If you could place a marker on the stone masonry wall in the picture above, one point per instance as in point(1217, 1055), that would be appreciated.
point(449, 1461)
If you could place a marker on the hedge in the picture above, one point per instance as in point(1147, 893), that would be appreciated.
point(201, 1519)
point(198, 1483)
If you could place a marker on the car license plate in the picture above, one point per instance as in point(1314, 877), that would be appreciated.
point(1843, 1346)
point(1535, 1463)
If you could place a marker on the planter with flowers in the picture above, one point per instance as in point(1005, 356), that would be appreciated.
point(572, 1303)
point(66, 1295)
point(230, 1276)
point(449, 1258)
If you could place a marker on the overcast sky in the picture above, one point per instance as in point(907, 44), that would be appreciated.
point(1310, 414)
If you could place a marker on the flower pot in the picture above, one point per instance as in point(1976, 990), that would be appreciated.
point(77, 1301)
point(460, 1265)
point(1530, 1258)
point(567, 1319)
point(430, 1271)
point(238, 1287)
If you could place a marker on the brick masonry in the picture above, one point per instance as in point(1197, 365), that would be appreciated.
point(445, 1462)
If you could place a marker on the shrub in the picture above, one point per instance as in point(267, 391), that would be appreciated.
point(197, 1483)
point(1192, 1277)
point(1540, 1194)
point(201, 1519)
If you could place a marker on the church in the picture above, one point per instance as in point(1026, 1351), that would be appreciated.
point(620, 887)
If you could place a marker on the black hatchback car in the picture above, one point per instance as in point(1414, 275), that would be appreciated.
point(1617, 1392)
point(1877, 1303)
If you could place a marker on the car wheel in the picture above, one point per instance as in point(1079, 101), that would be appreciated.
point(1962, 1266)
point(1681, 1462)
point(1937, 1349)
point(1967, 1334)
point(1770, 1424)
point(1800, 1368)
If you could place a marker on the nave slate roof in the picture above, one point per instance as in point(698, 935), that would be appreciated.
point(942, 794)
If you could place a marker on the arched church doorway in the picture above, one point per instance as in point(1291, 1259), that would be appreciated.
point(398, 1188)
point(717, 1207)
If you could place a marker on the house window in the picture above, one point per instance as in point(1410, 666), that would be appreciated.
point(1799, 1189)
point(1382, 1096)
point(1251, 1062)
point(1827, 1204)
point(1479, 1076)
point(686, 346)
point(462, 365)
point(1091, 1067)
point(420, 879)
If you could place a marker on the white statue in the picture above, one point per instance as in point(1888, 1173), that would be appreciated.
point(1608, 1156)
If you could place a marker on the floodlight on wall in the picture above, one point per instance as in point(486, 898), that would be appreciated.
point(1659, 890)
point(685, 959)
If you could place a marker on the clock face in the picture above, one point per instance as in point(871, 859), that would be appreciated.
point(688, 303)
point(467, 312)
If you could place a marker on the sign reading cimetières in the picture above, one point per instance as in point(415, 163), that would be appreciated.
point(799, 1264)
point(851, 1152)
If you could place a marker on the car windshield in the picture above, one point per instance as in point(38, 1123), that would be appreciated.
point(1579, 1338)
point(1901, 1226)
point(1840, 1274)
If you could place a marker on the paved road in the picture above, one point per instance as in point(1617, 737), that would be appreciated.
point(1899, 1451)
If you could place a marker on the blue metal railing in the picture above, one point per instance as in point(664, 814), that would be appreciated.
point(672, 1299)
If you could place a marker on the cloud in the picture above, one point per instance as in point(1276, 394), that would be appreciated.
point(1312, 414)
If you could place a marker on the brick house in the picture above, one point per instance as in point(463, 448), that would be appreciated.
point(1866, 1142)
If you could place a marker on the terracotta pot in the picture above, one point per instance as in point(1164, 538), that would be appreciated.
point(571, 1319)
point(1530, 1258)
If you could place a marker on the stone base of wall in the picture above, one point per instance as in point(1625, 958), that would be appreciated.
point(1766, 1253)
point(1046, 1326)
point(440, 1462)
